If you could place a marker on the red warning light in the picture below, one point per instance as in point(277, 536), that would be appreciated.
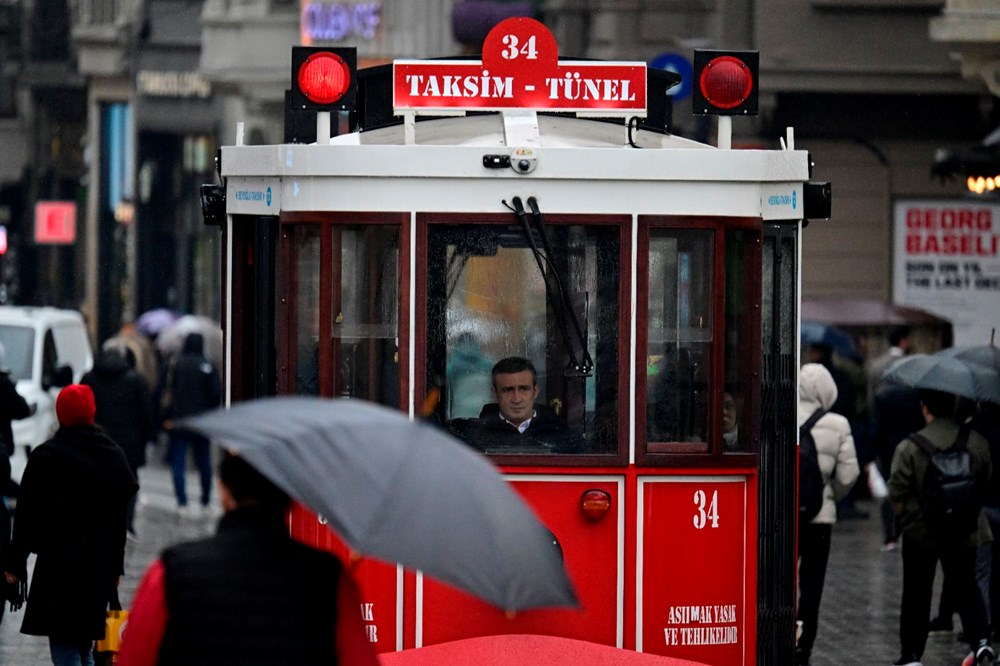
point(725, 82)
point(324, 77)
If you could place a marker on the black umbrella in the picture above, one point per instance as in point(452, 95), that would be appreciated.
point(948, 374)
point(401, 491)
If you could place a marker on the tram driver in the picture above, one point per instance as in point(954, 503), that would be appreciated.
point(516, 423)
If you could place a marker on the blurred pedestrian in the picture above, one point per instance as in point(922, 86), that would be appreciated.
point(895, 414)
point(124, 409)
point(248, 595)
point(193, 386)
point(839, 464)
point(987, 423)
point(899, 346)
point(71, 514)
point(845, 404)
point(925, 541)
point(12, 407)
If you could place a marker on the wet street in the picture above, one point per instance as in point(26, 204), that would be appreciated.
point(859, 616)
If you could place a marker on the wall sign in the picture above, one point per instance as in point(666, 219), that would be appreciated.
point(337, 21)
point(946, 259)
point(55, 222)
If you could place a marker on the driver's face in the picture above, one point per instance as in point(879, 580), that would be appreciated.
point(515, 393)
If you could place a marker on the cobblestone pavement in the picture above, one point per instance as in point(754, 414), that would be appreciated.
point(859, 618)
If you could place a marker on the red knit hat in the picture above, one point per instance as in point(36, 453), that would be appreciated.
point(75, 405)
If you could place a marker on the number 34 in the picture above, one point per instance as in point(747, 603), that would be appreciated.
point(706, 510)
point(514, 48)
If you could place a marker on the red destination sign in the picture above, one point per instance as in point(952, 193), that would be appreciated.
point(520, 69)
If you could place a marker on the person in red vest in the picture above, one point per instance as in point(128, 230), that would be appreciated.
point(249, 595)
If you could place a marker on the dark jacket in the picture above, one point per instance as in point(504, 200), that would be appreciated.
point(12, 407)
point(249, 595)
point(987, 424)
point(195, 386)
point(909, 467)
point(492, 434)
point(124, 407)
point(895, 414)
point(71, 513)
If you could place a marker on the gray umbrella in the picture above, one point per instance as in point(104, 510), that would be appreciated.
point(948, 374)
point(401, 491)
point(986, 355)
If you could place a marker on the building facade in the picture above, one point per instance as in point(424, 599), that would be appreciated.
point(124, 113)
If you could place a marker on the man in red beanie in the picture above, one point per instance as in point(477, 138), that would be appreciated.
point(71, 513)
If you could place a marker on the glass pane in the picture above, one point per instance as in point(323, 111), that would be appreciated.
point(19, 343)
point(490, 297)
point(679, 339)
point(741, 293)
point(365, 327)
point(306, 260)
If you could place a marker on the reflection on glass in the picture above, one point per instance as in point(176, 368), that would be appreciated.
point(488, 300)
point(679, 337)
point(364, 330)
point(307, 285)
point(19, 342)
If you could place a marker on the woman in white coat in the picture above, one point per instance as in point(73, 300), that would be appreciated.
point(838, 462)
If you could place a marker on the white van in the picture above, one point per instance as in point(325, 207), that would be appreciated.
point(46, 349)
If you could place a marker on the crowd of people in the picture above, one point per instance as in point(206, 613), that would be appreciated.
point(924, 456)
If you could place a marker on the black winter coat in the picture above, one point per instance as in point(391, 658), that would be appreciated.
point(492, 434)
point(12, 407)
point(195, 386)
point(124, 407)
point(71, 513)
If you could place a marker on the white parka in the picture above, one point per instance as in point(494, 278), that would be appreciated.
point(834, 443)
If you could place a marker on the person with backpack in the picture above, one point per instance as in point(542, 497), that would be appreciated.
point(938, 484)
point(828, 469)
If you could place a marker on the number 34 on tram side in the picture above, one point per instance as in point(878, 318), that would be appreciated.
point(438, 217)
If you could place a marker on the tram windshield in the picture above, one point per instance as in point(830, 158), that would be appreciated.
point(494, 298)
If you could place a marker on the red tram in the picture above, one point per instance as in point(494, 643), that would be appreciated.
point(474, 210)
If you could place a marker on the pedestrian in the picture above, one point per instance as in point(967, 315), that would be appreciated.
point(12, 407)
point(838, 463)
point(895, 414)
point(193, 386)
point(926, 540)
point(124, 410)
point(845, 404)
point(899, 346)
point(249, 595)
point(71, 513)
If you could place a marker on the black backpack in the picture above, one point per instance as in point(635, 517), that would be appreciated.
point(952, 497)
point(811, 481)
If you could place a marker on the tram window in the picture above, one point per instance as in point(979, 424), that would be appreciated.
point(740, 323)
point(679, 337)
point(488, 300)
point(307, 252)
point(355, 352)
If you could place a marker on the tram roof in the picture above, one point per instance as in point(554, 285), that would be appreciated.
point(701, 179)
point(563, 143)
